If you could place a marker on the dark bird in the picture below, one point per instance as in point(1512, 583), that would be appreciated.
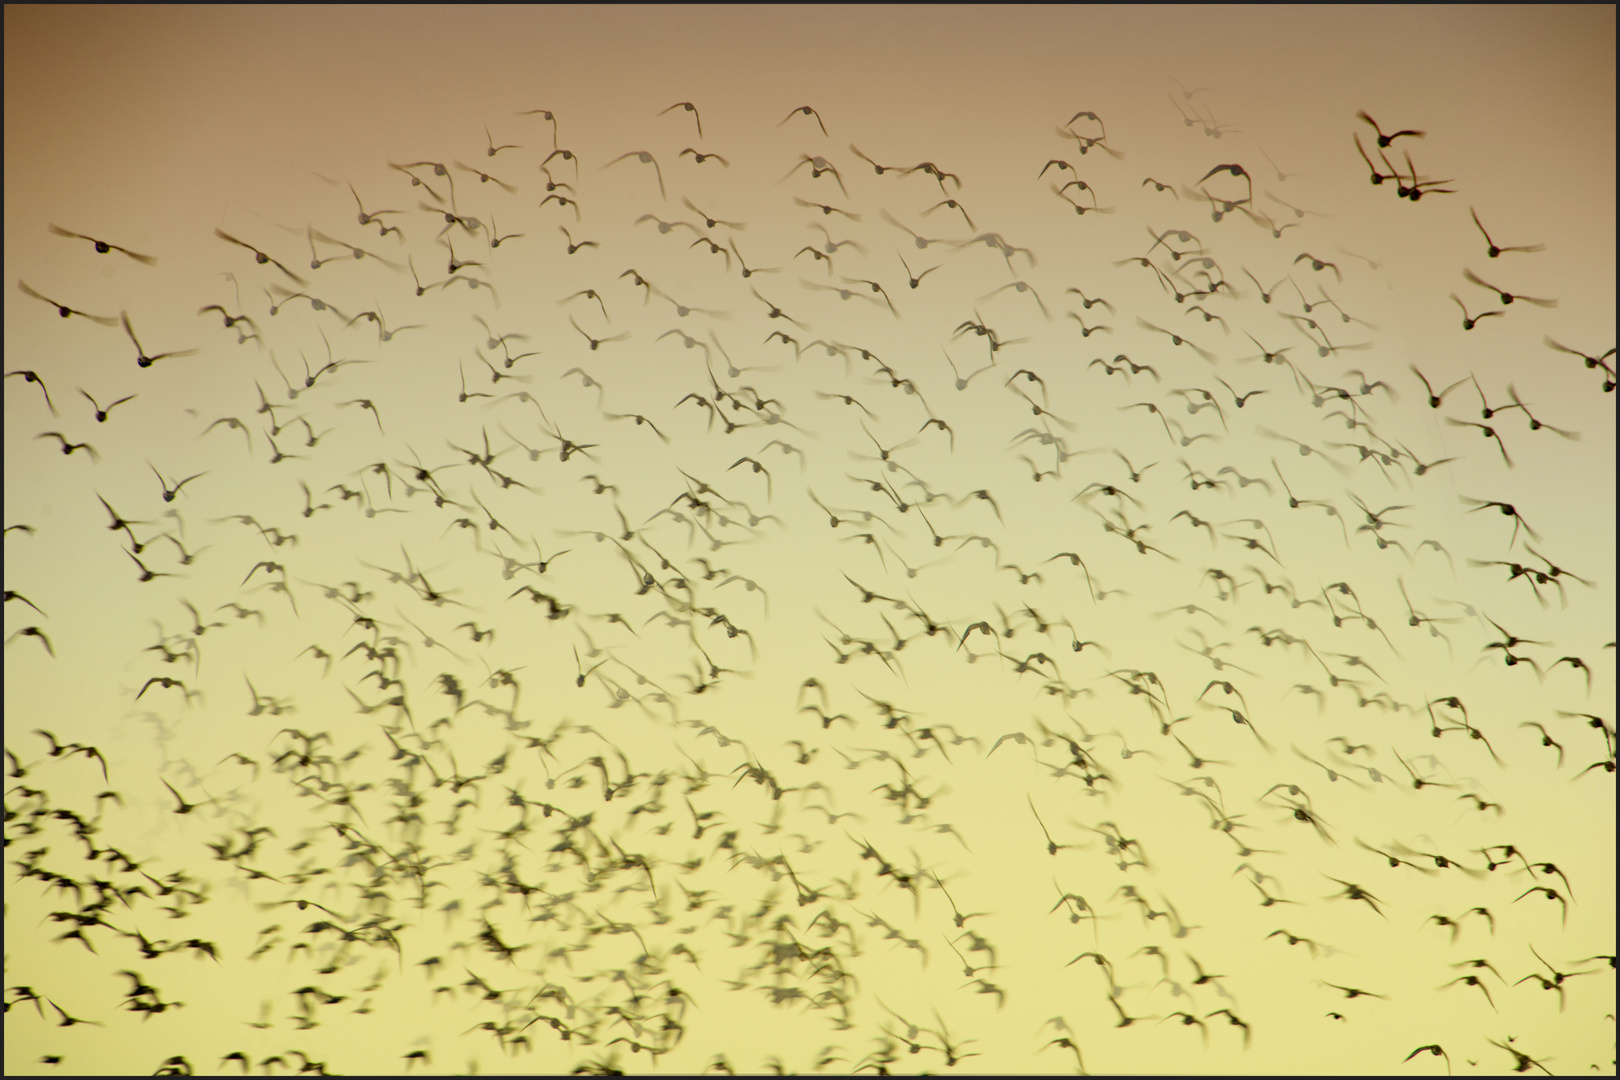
point(141, 359)
point(1550, 894)
point(1488, 432)
point(1385, 140)
point(914, 278)
point(163, 681)
point(258, 255)
point(1352, 992)
point(1235, 170)
point(69, 1021)
point(825, 209)
point(1419, 188)
point(1234, 1021)
point(1356, 892)
point(103, 247)
point(1377, 177)
point(1434, 1048)
point(701, 158)
point(12, 594)
point(146, 574)
point(33, 377)
point(1592, 362)
point(1503, 295)
point(879, 169)
point(1523, 1061)
point(1052, 846)
point(803, 110)
point(367, 218)
point(168, 492)
point(1507, 510)
point(183, 808)
point(1435, 399)
point(232, 320)
point(63, 310)
point(1319, 264)
point(33, 632)
point(69, 447)
point(101, 414)
point(1492, 250)
point(689, 107)
point(493, 149)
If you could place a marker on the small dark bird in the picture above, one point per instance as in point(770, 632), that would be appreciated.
point(1385, 140)
point(63, 310)
point(689, 107)
point(258, 255)
point(1505, 296)
point(103, 247)
point(802, 110)
point(141, 359)
point(1470, 321)
point(1492, 250)
point(69, 447)
point(33, 377)
point(101, 414)
point(34, 632)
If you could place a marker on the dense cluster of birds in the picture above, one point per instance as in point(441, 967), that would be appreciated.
point(561, 554)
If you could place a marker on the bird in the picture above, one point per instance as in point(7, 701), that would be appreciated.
point(804, 110)
point(1470, 321)
point(34, 378)
point(69, 447)
point(1433, 1048)
point(64, 310)
point(700, 158)
point(646, 159)
point(1235, 170)
point(258, 255)
point(103, 413)
point(1492, 250)
point(168, 492)
point(33, 632)
point(1503, 295)
point(689, 107)
point(1385, 140)
point(103, 247)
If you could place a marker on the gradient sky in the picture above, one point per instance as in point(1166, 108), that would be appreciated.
point(153, 128)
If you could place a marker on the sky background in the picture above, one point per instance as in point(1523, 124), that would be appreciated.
point(153, 128)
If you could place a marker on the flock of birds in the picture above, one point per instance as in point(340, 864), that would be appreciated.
point(532, 557)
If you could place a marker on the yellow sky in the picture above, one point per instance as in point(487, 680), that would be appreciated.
point(159, 129)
